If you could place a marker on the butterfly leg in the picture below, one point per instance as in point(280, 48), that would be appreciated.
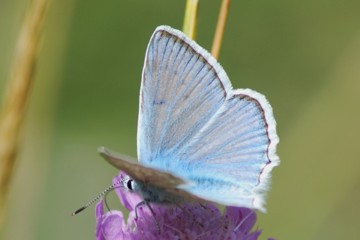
point(136, 208)
point(203, 205)
point(151, 210)
point(153, 214)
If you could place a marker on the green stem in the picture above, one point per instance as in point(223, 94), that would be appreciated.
point(190, 19)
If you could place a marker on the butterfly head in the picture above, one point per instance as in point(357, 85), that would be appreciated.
point(130, 184)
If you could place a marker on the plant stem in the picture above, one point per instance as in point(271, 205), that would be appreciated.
point(17, 95)
point(190, 19)
point(219, 33)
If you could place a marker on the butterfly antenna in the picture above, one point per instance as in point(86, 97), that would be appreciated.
point(108, 189)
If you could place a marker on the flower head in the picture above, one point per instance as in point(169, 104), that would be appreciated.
point(190, 221)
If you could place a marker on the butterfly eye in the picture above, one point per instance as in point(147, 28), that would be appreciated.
point(129, 184)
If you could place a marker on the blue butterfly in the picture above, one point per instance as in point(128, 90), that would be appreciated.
point(198, 139)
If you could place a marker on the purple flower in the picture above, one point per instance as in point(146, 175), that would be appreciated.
point(191, 221)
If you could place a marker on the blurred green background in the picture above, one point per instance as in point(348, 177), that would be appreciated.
point(303, 55)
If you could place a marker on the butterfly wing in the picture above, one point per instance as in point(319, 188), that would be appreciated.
point(194, 126)
point(180, 92)
point(231, 159)
point(139, 172)
point(164, 180)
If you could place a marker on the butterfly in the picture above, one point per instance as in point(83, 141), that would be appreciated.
point(198, 139)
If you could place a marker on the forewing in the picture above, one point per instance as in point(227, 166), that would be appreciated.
point(168, 182)
point(182, 88)
point(231, 159)
point(140, 172)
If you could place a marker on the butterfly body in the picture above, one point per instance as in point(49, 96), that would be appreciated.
point(151, 193)
point(198, 139)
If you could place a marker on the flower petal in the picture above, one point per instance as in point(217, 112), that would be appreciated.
point(99, 212)
point(190, 221)
point(110, 226)
point(243, 219)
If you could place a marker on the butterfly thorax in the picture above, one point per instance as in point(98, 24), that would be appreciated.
point(151, 193)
